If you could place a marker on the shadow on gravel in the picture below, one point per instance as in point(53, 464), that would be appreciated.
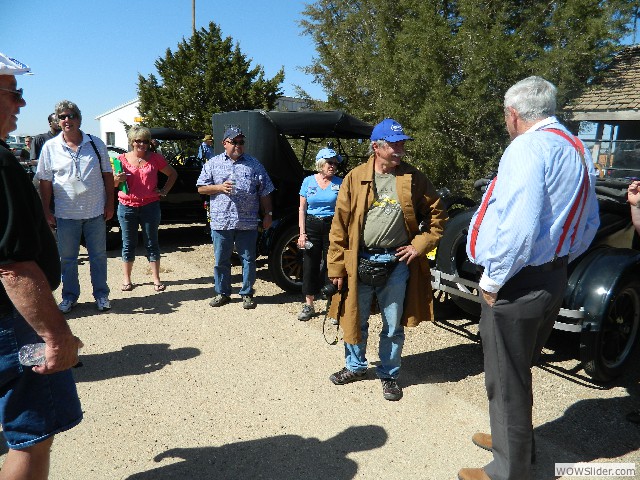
point(594, 428)
point(285, 457)
point(449, 364)
point(131, 360)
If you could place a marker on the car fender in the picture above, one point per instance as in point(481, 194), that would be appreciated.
point(269, 237)
point(593, 280)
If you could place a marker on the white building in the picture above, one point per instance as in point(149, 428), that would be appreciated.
point(112, 130)
point(112, 123)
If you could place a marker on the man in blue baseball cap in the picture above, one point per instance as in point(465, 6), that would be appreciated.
point(238, 186)
point(35, 402)
point(378, 250)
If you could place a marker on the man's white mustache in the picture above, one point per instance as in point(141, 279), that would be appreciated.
point(398, 155)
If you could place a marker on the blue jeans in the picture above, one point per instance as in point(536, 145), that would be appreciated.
point(33, 407)
point(223, 242)
point(148, 217)
point(391, 301)
point(95, 236)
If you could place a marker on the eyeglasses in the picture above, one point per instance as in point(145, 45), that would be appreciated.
point(70, 116)
point(17, 94)
point(139, 140)
point(236, 142)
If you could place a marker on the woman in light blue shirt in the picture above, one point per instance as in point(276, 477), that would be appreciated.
point(318, 195)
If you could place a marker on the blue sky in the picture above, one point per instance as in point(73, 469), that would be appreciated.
point(90, 52)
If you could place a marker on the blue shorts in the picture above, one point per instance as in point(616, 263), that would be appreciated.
point(33, 407)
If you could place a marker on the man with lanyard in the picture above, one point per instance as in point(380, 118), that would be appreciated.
point(35, 402)
point(375, 228)
point(539, 213)
point(75, 170)
point(238, 185)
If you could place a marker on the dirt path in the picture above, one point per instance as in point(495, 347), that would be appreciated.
point(172, 388)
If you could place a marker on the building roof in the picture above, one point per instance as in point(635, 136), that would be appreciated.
point(617, 96)
point(130, 102)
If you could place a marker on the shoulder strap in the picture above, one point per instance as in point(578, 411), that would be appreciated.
point(581, 199)
point(95, 149)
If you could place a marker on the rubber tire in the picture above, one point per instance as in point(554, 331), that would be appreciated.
point(599, 360)
point(451, 258)
point(285, 261)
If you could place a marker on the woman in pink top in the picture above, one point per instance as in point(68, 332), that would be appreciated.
point(140, 205)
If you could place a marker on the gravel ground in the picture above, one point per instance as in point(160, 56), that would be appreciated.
point(172, 388)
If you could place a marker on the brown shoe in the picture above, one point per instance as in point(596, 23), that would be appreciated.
point(472, 474)
point(482, 440)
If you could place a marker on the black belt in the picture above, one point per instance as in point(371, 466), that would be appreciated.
point(547, 267)
point(320, 219)
point(379, 250)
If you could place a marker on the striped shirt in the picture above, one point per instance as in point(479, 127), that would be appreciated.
point(539, 178)
point(78, 187)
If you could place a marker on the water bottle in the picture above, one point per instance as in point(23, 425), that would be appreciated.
point(232, 179)
point(33, 354)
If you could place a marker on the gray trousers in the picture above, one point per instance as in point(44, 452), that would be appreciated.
point(513, 333)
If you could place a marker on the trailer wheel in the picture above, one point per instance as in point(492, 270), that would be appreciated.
point(604, 353)
point(451, 258)
point(285, 261)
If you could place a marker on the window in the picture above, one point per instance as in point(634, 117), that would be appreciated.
point(111, 138)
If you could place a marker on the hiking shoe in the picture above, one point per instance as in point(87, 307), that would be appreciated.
point(347, 376)
point(103, 304)
point(248, 302)
point(219, 300)
point(390, 389)
point(65, 306)
point(306, 313)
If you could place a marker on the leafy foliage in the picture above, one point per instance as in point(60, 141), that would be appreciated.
point(205, 75)
point(441, 67)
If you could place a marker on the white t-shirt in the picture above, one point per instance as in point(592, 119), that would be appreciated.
point(78, 187)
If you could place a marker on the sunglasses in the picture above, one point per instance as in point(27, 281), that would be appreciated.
point(331, 163)
point(70, 116)
point(236, 142)
point(17, 94)
point(138, 140)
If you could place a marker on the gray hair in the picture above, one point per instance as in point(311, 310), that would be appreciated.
point(533, 98)
point(137, 132)
point(67, 105)
point(320, 163)
point(380, 143)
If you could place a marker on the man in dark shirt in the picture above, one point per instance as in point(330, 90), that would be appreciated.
point(38, 402)
point(38, 141)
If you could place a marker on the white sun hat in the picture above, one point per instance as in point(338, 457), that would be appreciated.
point(11, 66)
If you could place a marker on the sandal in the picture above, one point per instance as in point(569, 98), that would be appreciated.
point(159, 287)
point(127, 287)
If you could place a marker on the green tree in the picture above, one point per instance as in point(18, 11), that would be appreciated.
point(205, 75)
point(441, 67)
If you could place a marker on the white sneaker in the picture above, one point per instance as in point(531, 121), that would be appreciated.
point(65, 306)
point(103, 304)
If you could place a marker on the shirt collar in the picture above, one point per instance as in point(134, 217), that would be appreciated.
point(543, 123)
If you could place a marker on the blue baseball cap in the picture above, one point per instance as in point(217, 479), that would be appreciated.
point(232, 132)
point(326, 153)
point(389, 130)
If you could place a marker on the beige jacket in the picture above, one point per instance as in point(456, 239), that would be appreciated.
point(419, 201)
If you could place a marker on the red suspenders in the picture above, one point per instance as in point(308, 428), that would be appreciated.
point(578, 203)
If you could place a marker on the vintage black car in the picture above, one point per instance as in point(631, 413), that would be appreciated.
point(602, 299)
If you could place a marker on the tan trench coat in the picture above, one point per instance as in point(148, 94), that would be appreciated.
point(419, 201)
